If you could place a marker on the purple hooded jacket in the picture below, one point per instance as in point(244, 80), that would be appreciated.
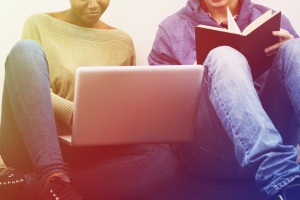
point(175, 39)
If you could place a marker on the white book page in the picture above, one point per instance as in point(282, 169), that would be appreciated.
point(259, 21)
point(217, 29)
point(232, 26)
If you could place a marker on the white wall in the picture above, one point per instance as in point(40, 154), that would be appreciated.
point(139, 18)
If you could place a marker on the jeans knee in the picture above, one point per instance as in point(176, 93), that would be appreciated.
point(25, 48)
point(287, 56)
point(227, 61)
point(290, 47)
point(291, 44)
point(26, 55)
point(223, 51)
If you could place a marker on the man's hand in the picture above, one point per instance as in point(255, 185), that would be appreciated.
point(284, 36)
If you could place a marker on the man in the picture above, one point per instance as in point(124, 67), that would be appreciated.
point(244, 128)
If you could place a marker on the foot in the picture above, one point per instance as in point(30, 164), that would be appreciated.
point(290, 192)
point(11, 178)
point(60, 188)
point(12, 184)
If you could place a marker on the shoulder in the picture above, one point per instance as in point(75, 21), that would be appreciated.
point(176, 27)
point(118, 38)
point(32, 27)
point(174, 22)
point(36, 21)
point(118, 35)
point(170, 21)
point(259, 10)
point(36, 18)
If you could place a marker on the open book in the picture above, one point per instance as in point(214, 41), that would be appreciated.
point(251, 42)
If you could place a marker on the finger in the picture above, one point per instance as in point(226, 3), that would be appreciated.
point(274, 47)
point(271, 53)
point(283, 34)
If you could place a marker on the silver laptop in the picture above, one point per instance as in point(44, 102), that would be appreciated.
point(135, 104)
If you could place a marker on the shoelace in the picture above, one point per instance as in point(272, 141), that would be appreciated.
point(62, 190)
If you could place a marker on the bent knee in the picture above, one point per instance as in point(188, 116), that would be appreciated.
point(223, 50)
point(25, 47)
point(291, 46)
point(226, 60)
point(225, 53)
point(27, 55)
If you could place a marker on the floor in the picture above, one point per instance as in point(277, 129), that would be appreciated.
point(188, 187)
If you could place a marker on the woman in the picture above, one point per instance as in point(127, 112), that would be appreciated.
point(245, 129)
point(38, 105)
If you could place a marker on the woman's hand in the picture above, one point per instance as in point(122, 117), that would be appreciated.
point(284, 36)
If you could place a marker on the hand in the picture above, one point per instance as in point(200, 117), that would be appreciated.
point(284, 36)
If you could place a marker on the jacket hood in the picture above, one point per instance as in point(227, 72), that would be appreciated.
point(194, 13)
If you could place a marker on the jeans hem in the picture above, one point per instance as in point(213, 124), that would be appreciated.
point(282, 184)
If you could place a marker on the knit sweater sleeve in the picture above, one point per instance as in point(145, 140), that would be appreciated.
point(63, 109)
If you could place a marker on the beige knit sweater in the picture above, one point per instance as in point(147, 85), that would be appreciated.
point(68, 47)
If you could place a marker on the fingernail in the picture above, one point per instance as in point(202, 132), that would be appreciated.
point(267, 50)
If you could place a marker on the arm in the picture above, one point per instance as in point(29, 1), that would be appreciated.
point(62, 108)
point(162, 50)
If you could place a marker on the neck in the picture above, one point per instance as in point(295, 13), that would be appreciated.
point(220, 13)
point(73, 19)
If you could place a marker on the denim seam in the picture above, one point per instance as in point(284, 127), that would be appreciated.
point(13, 78)
point(290, 94)
point(284, 183)
point(37, 143)
point(229, 120)
point(115, 164)
point(289, 91)
point(210, 153)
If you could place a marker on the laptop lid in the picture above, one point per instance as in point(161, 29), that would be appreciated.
point(135, 104)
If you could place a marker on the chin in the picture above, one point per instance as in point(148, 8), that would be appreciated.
point(217, 3)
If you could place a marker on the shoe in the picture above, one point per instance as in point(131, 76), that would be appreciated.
point(290, 192)
point(11, 178)
point(60, 188)
point(12, 184)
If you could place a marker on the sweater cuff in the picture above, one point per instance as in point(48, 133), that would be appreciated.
point(63, 109)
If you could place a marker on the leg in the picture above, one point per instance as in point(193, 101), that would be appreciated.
point(211, 153)
point(28, 126)
point(118, 171)
point(257, 143)
point(280, 96)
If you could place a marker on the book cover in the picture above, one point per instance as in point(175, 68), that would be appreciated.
point(251, 44)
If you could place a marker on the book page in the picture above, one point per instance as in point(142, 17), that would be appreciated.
point(259, 21)
point(217, 29)
point(232, 26)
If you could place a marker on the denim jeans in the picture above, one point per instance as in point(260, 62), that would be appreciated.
point(29, 142)
point(241, 133)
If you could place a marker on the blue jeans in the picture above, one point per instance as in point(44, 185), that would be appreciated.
point(29, 143)
point(241, 133)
